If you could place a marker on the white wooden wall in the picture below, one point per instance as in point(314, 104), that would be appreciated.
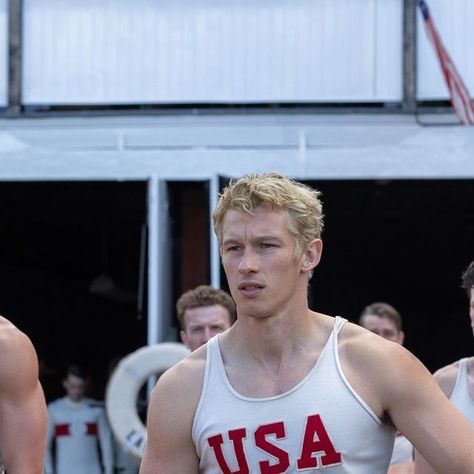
point(454, 20)
point(3, 53)
point(215, 51)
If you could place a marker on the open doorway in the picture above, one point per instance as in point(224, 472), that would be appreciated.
point(405, 242)
point(70, 254)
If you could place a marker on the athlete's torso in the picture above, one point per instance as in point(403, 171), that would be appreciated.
point(75, 429)
point(320, 423)
point(461, 396)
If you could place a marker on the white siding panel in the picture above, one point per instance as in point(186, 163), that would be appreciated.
point(388, 61)
point(3, 53)
point(454, 20)
point(214, 51)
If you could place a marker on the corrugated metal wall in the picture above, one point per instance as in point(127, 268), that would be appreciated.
point(156, 51)
point(250, 51)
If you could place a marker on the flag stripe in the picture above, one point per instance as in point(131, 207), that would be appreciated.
point(461, 101)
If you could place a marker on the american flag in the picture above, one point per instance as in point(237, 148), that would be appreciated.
point(460, 99)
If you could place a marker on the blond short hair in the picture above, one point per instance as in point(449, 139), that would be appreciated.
point(305, 212)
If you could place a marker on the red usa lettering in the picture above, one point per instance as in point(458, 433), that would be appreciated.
point(317, 449)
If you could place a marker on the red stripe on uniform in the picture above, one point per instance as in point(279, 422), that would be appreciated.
point(62, 430)
point(91, 429)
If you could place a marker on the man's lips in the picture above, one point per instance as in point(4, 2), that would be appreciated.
point(250, 288)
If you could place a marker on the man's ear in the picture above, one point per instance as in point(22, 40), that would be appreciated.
point(183, 337)
point(312, 255)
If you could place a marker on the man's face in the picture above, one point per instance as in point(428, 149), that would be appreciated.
point(258, 256)
point(202, 323)
point(75, 387)
point(383, 327)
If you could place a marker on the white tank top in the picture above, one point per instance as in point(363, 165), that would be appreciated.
point(461, 397)
point(320, 423)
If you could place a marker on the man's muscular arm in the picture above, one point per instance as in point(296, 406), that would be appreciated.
point(170, 448)
point(430, 421)
point(23, 411)
point(397, 386)
point(446, 378)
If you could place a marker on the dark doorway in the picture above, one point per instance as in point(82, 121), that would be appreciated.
point(189, 221)
point(406, 243)
point(70, 256)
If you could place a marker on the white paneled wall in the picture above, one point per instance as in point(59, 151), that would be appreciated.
point(3, 53)
point(454, 20)
point(213, 51)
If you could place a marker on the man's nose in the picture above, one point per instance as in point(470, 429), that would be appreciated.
point(249, 261)
point(207, 334)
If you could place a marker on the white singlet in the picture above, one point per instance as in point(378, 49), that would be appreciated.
point(402, 450)
point(461, 396)
point(78, 428)
point(321, 423)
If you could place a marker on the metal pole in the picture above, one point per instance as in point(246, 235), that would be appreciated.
point(409, 55)
point(154, 313)
point(155, 316)
point(14, 57)
point(215, 258)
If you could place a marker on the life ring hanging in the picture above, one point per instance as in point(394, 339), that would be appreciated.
point(124, 385)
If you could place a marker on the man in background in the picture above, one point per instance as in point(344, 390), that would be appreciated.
point(383, 319)
point(457, 379)
point(79, 427)
point(204, 312)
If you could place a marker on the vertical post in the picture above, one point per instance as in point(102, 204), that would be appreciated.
point(155, 316)
point(154, 311)
point(409, 55)
point(14, 57)
point(214, 249)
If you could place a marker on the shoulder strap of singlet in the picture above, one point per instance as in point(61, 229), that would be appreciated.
point(461, 377)
point(338, 323)
point(213, 351)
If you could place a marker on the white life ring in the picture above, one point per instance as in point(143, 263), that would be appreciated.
point(125, 383)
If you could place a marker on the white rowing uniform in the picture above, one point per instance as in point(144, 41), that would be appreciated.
point(461, 396)
point(78, 429)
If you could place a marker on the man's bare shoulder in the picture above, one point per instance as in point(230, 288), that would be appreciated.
point(7, 330)
point(378, 369)
point(175, 398)
point(361, 341)
point(373, 351)
point(18, 360)
point(186, 376)
point(446, 377)
point(12, 340)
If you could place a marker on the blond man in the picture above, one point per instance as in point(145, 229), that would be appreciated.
point(287, 389)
